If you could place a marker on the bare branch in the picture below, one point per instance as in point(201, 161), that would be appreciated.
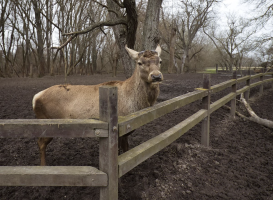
point(91, 28)
point(50, 21)
point(97, 25)
point(120, 4)
point(64, 44)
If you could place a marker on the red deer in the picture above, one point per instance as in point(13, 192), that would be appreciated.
point(82, 101)
point(258, 70)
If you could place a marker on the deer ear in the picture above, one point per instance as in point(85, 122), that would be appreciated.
point(158, 50)
point(133, 54)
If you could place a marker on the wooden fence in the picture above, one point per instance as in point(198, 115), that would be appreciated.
point(109, 128)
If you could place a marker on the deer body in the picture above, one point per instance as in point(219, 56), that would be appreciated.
point(82, 101)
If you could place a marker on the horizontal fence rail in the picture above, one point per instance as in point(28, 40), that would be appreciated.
point(137, 155)
point(142, 117)
point(219, 103)
point(221, 86)
point(68, 128)
point(51, 176)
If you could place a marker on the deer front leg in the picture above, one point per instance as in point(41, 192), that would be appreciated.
point(43, 142)
point(123, 142)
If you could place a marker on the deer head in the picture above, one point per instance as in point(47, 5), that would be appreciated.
point(148, 63)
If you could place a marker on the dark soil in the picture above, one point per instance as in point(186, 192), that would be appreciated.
point(237, 165)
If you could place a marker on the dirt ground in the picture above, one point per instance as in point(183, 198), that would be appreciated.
point(237, 165)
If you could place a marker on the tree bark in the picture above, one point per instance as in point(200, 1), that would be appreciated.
point(94, 54)
point(172, 46)
point(183, 61)
point(151, 36)
point(121, 32)
point(40, 38)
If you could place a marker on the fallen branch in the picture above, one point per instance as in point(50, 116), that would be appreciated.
point(265, 122)
point(254, 117)
point(238, 113)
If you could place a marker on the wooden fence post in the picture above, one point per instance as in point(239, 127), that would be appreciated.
point(216, 68)
point(246, 94)
point(108, 160)
point(206, 105)
point(233, 101)
point(261, 79)
point(272, 82)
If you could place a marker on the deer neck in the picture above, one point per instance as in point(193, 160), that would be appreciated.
point(143, 93)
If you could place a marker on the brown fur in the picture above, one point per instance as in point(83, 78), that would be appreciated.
point(82, 101)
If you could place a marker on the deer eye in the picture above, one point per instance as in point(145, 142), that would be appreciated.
point(139, 63)
point(160, 62)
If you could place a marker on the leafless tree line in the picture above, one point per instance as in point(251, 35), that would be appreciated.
point(88, 36)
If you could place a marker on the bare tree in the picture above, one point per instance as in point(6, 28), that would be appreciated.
point(233, 41)
point(193, 16)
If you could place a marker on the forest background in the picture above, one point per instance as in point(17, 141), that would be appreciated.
point(61, 37)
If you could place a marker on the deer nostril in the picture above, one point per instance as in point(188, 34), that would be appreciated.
point(156, 77)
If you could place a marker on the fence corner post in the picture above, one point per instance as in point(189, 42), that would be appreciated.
point(206, 105)
point(233, 101)
point(108, 147)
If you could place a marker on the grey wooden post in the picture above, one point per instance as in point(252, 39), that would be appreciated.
point(272, 81)
point(206, 105)
point(216, 68)
point(108, 160)
point(246, 94)
point(233, 101)
point(261, 79)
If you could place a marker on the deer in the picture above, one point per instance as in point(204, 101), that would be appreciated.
point(82, 101)
point(257, 70)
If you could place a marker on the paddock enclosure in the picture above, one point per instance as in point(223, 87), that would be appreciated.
point(172, 176)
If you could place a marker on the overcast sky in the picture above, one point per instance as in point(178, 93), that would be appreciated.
point(244, 10)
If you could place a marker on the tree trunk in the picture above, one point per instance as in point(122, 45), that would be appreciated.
point(121, 33)
point(94, 54)
point(183, 61)
point(40, 38)
point(151, 36)
point(172, 45)
point(48, 37)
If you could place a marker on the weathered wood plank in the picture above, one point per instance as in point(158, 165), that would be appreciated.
point(268, 80)
point(247, 92)
point(68, 128)
point(245, 78)
point(108, 160)
point(137, 155)
point(268, 73)
point(221, 86)
point(233, 101)
point(219, 103)
point(51, 176)
point(244, 89)
point(262, 84)
point(256, 75)
point(205, 126)
point(139, 118)
point(255, 84)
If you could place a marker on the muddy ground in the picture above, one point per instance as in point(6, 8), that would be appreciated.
point(237, 165)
